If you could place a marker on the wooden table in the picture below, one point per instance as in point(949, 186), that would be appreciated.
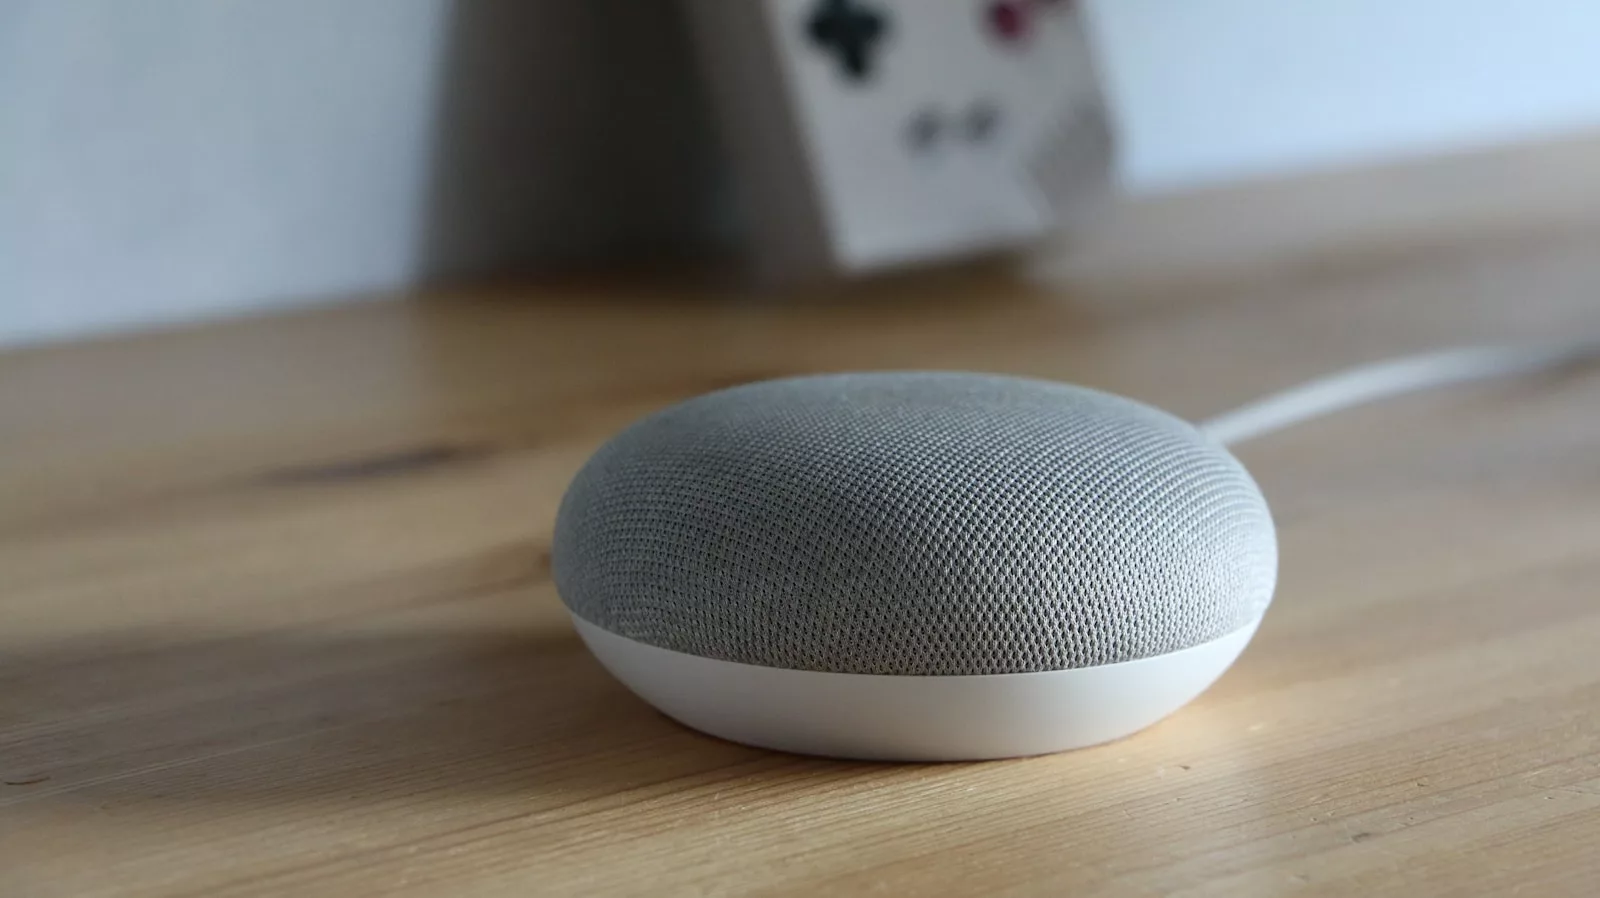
point(275, 613)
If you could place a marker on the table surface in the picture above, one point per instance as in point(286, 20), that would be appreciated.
point(276, 614)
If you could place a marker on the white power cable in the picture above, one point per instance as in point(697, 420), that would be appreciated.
point(1381, 380)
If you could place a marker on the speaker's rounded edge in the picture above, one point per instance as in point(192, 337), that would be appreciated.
point(914, 718)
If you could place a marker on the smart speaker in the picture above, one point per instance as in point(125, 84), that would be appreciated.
point(915, 565)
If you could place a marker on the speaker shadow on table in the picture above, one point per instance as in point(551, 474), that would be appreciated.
point(325, 718)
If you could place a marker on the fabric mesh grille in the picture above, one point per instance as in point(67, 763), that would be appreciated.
point(915, 524)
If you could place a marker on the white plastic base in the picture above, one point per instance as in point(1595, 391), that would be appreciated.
point(905, 718)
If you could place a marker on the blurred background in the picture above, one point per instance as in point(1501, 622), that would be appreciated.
point(165, 161)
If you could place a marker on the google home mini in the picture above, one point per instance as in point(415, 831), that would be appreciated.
point(915, 565)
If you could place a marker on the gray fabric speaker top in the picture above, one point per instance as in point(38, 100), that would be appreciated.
point(915, 523)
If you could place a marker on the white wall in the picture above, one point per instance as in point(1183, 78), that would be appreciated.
point(162, 160)
point(166, 160)
point(1215, 90)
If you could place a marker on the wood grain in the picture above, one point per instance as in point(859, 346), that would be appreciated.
point(275, 613)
